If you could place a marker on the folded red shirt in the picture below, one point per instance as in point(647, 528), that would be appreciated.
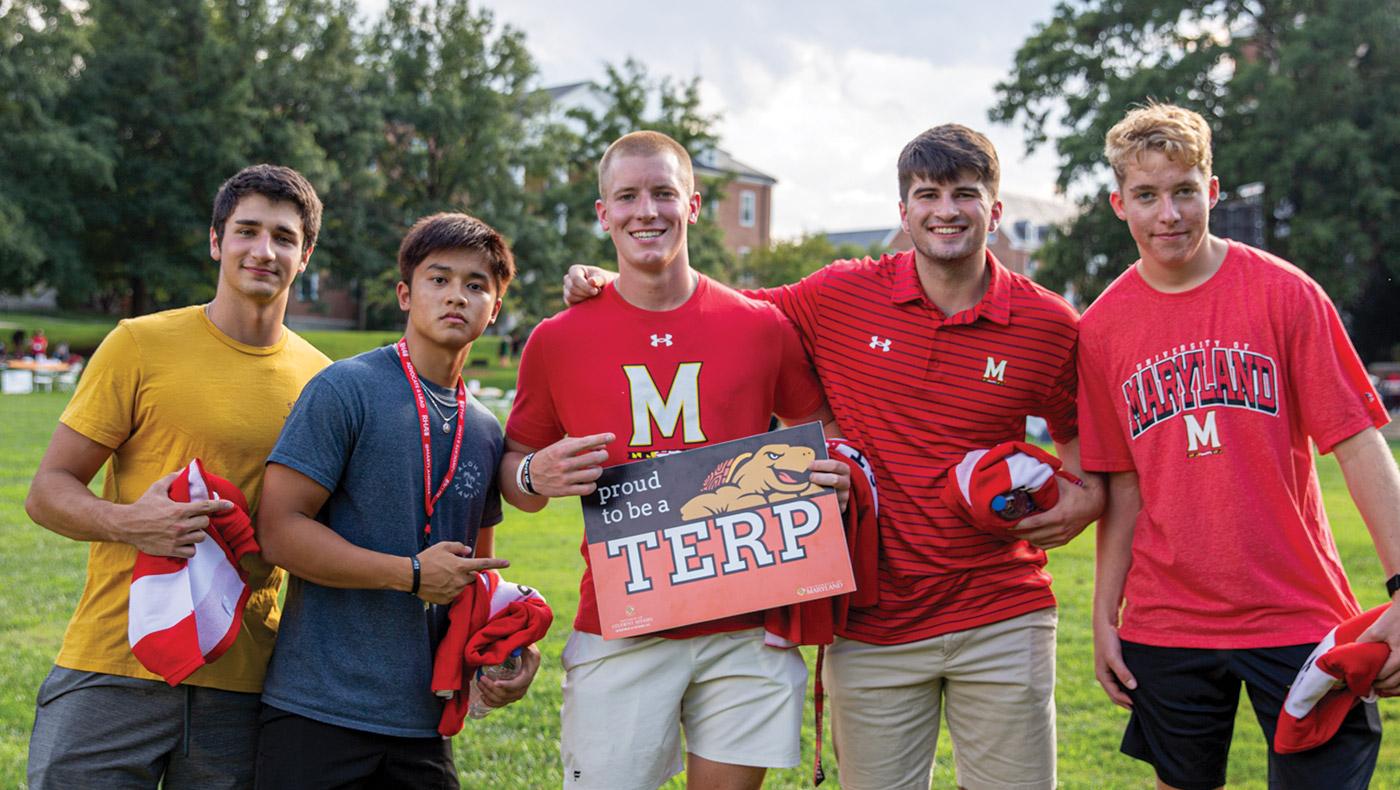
point(487, 621)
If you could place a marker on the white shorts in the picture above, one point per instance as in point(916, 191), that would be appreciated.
point(626, 701)
point(996, 683)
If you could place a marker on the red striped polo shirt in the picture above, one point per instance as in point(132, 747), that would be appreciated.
point(918, 390)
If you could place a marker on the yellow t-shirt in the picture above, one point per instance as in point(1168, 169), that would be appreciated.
point(164, 389)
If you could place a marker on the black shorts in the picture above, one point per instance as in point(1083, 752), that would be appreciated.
point(1184, 717)
point(295, 752)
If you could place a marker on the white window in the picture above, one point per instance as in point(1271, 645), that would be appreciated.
point(309, 289)
point(748, 208)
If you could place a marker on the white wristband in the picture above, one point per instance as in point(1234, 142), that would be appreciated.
point(522, 476)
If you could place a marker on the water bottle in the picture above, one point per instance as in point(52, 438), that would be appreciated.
point(1014, 504)
point(477, 707)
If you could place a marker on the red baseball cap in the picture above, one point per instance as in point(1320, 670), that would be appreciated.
point(994, 489)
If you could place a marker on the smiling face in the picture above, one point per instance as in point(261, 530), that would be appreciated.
point(261, 252)
point(646, 207)
point(453, 298)
point(948, 221)
point(1167, 207)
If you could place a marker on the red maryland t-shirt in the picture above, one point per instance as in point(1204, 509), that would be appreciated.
point(715, 369)
point(1215, 397)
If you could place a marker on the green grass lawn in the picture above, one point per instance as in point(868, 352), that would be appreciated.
point(518, 747)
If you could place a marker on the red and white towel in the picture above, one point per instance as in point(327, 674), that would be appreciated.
point(183, 613)
point(488, 620)
point(979, 485)
point(1338, 675)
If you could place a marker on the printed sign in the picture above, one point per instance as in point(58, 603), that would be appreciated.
point(712, 532)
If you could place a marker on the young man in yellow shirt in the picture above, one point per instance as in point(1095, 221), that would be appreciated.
point(213, 382)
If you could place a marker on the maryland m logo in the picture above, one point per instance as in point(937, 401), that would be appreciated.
point(680, 405)
point(1201, 438)
point(995, 372)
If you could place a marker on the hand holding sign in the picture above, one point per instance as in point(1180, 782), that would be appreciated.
point(833, 474)
point(570, 466)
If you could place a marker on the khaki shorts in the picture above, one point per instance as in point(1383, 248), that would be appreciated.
point(627, 700)
point(996, 682)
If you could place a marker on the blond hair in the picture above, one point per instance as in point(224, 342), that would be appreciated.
point(1181, 134)
point(645, 143)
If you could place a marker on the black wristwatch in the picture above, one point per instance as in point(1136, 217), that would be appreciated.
point(1392, 585)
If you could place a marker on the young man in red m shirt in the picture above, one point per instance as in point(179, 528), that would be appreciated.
point(664, 360)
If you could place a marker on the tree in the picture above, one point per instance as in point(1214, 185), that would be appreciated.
point(177, 99)
point(789, 261)
point(165, 100)
point(460, 110)
point(1303, 96)
point(311, 85)
point(44, 162)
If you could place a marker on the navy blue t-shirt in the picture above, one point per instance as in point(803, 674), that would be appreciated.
point(363, 658)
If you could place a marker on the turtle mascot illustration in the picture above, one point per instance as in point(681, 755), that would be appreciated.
point(773, 473)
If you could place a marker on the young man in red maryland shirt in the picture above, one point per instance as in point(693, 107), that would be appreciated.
point(1208, 372)
point(664, 360)
point(925, 355)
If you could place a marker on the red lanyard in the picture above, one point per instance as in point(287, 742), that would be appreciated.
point(426, 434)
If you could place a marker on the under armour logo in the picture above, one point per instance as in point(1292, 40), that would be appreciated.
point(660, 340)
point(883, 345)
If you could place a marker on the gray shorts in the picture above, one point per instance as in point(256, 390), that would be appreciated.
point(97, 730)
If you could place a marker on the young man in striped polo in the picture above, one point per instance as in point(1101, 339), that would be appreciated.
point(924, 355)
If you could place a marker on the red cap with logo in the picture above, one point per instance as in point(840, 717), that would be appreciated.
point(1337, 676)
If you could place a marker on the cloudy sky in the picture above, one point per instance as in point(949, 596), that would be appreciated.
point(820, 94)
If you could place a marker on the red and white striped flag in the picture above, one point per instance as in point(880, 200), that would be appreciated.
point(184, 614)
